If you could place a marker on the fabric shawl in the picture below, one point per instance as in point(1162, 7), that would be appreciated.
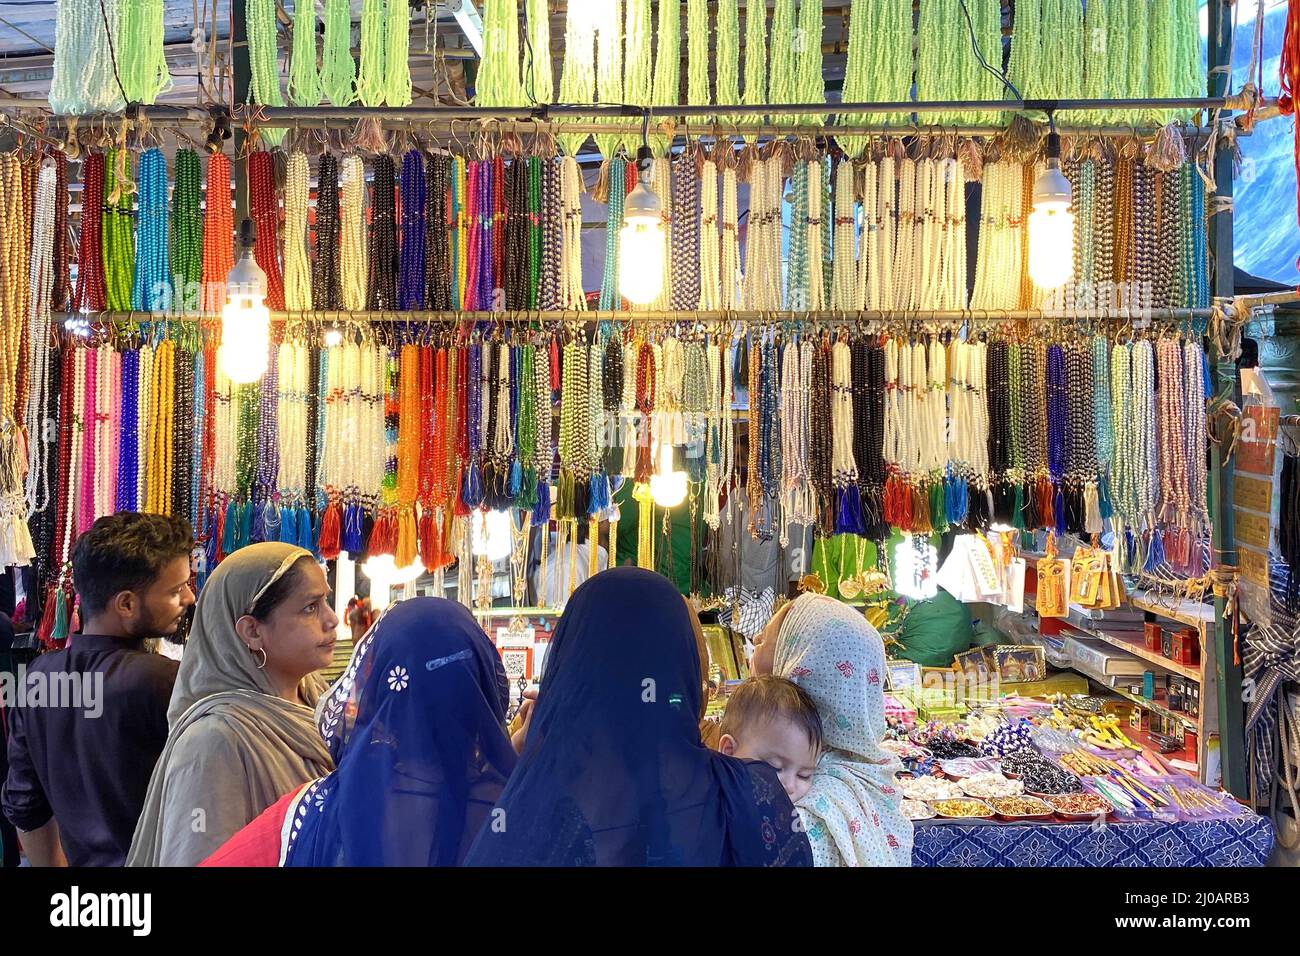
point(234, 746)
point(613, 772)
point(416, 725)
point(851, 814)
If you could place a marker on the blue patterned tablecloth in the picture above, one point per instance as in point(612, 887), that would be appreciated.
point(1246, 840)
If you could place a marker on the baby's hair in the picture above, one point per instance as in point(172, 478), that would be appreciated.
point(760, 699)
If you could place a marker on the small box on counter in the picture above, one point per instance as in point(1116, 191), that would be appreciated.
point(1149, 685)
point(1151, 635)
point(1176, 691)
point(1186, 646)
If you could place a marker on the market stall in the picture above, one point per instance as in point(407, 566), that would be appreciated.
point(866, 346)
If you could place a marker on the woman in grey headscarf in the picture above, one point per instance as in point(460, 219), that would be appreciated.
point(243, 731)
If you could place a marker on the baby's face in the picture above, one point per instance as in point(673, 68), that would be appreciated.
point(785, 746)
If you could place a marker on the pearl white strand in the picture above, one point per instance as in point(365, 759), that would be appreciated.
point(935, 432)
point(352, 245)
point(374, 388)
point(730, 277)
point(928, 251)
point(713, 435)
point(844, 289)
point(331, 459)
point(844, 468)
point(893, 452)
point(816, 275)
point(1144, 406)
point(710, 241)
point(223, 433)
point(904, 252)
point(958, 453)
point(762, 283)
point(572, 295)
point(953, 282)
point(882, 262)
point(798, 499)
point(41, 275)
point(630, 418)
point(997, 274)
point(292, 419)
point(297, 271)
point(867, 293)
point(1196, 435)
point(669, 383)
point(918, 401)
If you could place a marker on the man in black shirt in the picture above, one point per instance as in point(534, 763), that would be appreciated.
point(79, 763)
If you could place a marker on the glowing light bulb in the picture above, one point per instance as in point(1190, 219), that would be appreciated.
point(1051, 245)
point(490, 535)
point(667, 487)
point(642, 248)
point(333, 337)
point(245, 320)
point(641, 261)
point(1051, 224)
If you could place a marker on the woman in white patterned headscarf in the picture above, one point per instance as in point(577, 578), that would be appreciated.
point(851, 814)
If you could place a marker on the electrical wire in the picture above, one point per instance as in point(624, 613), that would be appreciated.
point(112, 55)
point(970, 26)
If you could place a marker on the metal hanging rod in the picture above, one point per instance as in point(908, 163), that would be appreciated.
point(750, 316)
point(288, 115)
point(276, 115)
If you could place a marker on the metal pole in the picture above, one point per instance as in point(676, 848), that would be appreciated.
point(1228, 683)
point(978, 316)
point(284, 115)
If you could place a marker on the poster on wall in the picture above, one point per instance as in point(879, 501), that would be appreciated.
point(1254, 499)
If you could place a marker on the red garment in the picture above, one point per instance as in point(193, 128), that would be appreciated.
point(258, 843)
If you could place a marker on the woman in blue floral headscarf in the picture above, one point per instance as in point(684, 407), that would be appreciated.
point(416, 728)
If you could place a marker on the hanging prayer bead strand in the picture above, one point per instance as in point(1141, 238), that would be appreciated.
point(218, 233)
point(297, 271)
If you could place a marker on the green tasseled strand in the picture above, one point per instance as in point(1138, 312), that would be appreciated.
point(338, 71)
point(304, 81)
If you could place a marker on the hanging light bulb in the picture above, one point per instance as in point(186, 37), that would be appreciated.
point(641, 240)
point(333, 337)
point(490, 535)
point(1051, 224)
point(667, 487)
point(245, 320)
point(384, 575)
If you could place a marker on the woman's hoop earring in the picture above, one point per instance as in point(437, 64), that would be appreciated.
point(262, 651)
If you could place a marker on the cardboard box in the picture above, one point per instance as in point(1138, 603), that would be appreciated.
point(1151, 636)
point(1105, 658)
point(1186, 647)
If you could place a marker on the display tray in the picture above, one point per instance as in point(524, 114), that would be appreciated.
point(1012, 809)
point(954, 809)
point(1102, 808)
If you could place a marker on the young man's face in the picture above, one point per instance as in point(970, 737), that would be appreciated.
point(161, 606)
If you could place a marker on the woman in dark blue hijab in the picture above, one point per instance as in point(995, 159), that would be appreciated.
point(416, 726)
point(613, 772)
